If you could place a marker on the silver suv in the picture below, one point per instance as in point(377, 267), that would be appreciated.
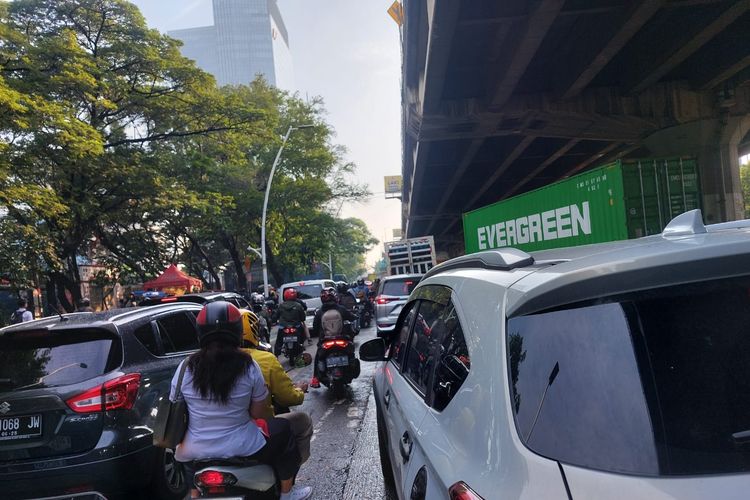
point(617, 370)
point(392, 294)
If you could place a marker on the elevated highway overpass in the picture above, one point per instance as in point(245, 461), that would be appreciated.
point(502, 97)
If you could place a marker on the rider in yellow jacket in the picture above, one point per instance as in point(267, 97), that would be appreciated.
point(281, 389)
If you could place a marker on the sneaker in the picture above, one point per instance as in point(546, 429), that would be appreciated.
point(297, 493)
point(315, 383)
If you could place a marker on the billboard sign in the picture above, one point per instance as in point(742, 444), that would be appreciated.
point(393, 186)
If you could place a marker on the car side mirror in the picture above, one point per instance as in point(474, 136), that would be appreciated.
point(372, 350)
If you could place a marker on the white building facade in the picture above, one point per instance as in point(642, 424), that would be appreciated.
point(248, 39)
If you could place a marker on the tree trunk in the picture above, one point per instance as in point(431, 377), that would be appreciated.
point(273, 266)
point(206, 259)
point(231, 245)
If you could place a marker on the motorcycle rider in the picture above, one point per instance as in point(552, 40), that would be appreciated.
point(220, 384)
point(329, 301)
point(259, 308)
point(362, 292)
point(283, 392)
point(292, 312)
point(346, 299)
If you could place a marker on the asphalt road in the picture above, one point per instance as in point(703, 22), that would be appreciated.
point(344, 462)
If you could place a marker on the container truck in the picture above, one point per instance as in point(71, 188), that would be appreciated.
point(410, 256)
point(621, 200)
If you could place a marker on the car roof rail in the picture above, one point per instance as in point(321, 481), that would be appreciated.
point(499, 260)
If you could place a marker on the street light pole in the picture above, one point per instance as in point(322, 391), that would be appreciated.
point(265, 205)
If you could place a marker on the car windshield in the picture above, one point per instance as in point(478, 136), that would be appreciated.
point(399, 286)
point(37, 359)
point(308, 291)
point(654, 383)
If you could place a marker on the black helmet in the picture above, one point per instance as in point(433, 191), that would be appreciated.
point(360, 281)
point(219, 321)
point(328, 294)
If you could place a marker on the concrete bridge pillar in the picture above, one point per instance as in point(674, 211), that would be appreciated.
point(715, 144)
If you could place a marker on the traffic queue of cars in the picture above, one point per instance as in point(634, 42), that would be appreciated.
point(608, 371)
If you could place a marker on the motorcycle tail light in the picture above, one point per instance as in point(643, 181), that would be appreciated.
point(460, 491)
point(334, 343)
point(115, 394)
point(214, 478)
point(288, 330)
point(383, 300)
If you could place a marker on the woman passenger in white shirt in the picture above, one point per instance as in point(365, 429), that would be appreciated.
point(220, 384)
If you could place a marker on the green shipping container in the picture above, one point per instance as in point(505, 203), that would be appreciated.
point(625, 199)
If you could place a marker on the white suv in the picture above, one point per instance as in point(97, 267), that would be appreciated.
point(612, 371)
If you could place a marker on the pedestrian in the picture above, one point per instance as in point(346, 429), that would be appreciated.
point(21, 315)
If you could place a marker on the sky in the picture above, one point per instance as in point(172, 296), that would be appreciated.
point(348, 53)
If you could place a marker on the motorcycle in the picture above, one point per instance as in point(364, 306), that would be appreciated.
point(363, 313)
point(235, 478)
point(338, 365)
point(292, 341)
point(272, 312)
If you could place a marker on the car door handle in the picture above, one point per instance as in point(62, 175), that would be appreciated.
point(387, 398)
point(404, 446)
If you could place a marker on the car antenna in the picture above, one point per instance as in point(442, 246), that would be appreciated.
point(57, 310)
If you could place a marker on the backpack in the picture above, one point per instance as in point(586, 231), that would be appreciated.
point(291, 312)
point(17, 316)
point(332, 323)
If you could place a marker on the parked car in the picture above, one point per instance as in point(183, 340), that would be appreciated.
point(617, 370)
point(78, 400)
point(201, 298)
point(392, 294)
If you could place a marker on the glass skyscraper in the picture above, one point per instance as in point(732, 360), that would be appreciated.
point(248, 38)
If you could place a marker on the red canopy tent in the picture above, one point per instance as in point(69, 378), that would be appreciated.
point(172, 278)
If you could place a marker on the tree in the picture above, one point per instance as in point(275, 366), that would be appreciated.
point(90, 101)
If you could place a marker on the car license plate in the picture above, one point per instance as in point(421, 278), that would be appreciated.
point(21, 427)
point(332, 361)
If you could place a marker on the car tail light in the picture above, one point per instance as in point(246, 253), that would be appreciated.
point(460, 491)
point(337, 343)
point(383, 300)
point(115, 394)
point(214, 478)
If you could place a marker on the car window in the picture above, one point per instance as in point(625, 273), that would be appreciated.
point(453, 363)
point(146, 336)
point(399, 286)
point(653, 383)
point(398, 344)
point(306, 291)
point(424, 344)
point(243, 304)
point(177, 333)
point(29, 359)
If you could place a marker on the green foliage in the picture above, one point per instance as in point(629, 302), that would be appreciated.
point(118, 149)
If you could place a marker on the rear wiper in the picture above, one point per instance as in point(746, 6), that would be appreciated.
point(41, 379)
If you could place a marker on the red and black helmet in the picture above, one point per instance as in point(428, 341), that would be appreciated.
point(219, 321)
point(290, 294)
point(328, 294)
